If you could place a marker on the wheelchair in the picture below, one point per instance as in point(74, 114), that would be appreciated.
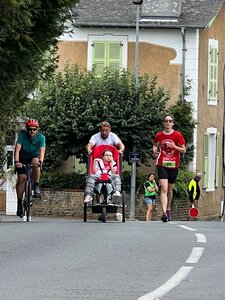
point(102, 203)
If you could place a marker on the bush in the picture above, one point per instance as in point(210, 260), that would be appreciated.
point(57, 181)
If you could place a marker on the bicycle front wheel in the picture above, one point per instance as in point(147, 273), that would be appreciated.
point(27, 200)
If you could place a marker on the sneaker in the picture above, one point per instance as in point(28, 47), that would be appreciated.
point(169, 215)
point(164, 218)
point(88, 199)
point(19, 212)
point(100, 218)
point(116, 197)
point(37, 192)
point(117, 194)
point(29, 218)
point(24, 218)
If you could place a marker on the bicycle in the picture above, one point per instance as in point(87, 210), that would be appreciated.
point(28, 192)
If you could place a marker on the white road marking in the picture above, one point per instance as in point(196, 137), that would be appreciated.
point(201, 238)
point(195, 255)
point(169, 285)
point(186, 227)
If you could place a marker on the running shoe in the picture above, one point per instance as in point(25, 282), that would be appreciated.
point(164, 218)
point(169, 215)
point(88, 199)
point(37, 192)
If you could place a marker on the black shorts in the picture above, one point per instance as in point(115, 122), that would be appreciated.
point(167, 173)
point(24, 162)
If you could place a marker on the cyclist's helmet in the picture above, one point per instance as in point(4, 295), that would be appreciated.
point(32, 123)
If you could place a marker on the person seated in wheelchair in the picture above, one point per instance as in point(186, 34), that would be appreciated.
point(104, 170)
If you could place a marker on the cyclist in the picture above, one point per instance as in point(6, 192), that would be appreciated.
point(30, 148)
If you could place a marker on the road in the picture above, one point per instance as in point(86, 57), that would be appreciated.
point(67, 259)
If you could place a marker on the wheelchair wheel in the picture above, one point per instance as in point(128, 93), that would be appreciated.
point(85, 212)
point(103, 216)
point(123, 207)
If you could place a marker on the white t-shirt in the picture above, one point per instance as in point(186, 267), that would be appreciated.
point(112, 139)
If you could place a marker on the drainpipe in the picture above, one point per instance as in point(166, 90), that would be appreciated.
point(183, 34)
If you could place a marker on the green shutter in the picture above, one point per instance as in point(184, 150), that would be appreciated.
point(99, 56)
point(114, 55)
point(106, 54)
point(206, 160)
point(218, 147)
point(213, 73)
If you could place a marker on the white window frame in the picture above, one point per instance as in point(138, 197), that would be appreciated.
point(212, 154)
point(215, 45)
point(107, 37)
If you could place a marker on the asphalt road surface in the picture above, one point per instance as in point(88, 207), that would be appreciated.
point(67, 259)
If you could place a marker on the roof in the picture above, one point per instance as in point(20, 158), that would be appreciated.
point(122, 13)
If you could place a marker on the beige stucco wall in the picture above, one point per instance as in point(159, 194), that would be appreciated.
point(153, 60)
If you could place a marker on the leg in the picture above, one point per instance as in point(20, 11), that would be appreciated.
point(164, 193)
point(89, 188)
point(149, 212)
point(116, 182)
point(20, 186)
point(172, 175)
point(36, 172)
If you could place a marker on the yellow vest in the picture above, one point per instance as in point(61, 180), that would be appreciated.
point(193, 184)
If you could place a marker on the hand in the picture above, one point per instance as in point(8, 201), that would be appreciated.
point(89, 151)
point(155, 150)
point(18, 165)
point(171, 145)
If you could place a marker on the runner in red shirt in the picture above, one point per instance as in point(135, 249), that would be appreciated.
point(171, 143)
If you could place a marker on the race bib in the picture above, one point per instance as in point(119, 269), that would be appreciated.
point(169, 163)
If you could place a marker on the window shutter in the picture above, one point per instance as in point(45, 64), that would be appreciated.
point(206, 160)
point(115, 55)
point(218, 147)
point(99, 56)
point(213, 72)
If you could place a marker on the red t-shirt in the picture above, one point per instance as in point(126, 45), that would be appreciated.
point(169, 157)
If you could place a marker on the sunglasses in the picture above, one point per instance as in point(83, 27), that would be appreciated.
point(168, 121)
point(32, 129)
point(104, 124)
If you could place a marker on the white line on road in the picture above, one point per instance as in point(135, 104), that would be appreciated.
point(186, 227)
point(195, 255)
point(201, 238)
point(169, 285)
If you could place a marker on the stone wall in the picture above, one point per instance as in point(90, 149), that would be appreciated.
point(69, 203)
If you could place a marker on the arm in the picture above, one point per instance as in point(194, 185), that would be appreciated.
point(89, 147)
point(42, 154)
point(120, 146)
point(155, 148)
point(180, 148)
point(95, 167)
point(113, 169)
point(17, 152)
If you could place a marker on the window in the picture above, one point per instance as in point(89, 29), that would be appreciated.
point(212, 151)
point(213, 72)
point(107, 51)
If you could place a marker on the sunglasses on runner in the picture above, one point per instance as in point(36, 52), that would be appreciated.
point(32, 129)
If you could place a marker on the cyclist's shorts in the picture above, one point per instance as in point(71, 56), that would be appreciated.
point(167, 173)
point(23, 170)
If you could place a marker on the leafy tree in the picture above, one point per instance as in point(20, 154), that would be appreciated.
point(28, 38)
point(69, 107)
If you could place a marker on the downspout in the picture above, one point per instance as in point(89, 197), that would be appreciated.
point(183, 34)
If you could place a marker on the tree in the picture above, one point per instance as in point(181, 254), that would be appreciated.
point(28, 38)
point(69, 107)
